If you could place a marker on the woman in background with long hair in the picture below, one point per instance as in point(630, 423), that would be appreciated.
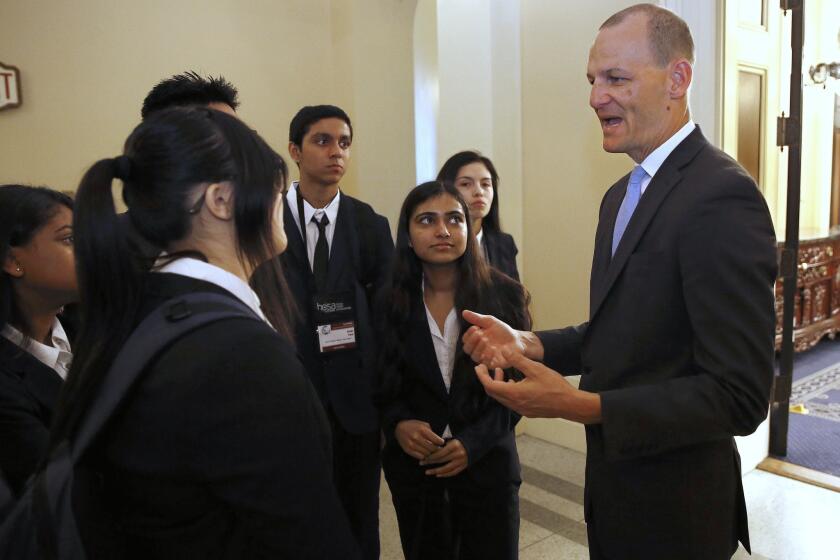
point(450, 457)
point(476, 179)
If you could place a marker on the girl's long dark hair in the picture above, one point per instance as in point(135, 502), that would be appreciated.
point(448, 174)
point(479, 288)
point(23, 211)
point(165, 158)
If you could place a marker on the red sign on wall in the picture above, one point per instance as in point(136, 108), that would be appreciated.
point(9, 87)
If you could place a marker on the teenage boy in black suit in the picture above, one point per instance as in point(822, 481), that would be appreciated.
point(333, 265)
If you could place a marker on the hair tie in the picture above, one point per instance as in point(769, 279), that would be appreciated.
point(122, 168)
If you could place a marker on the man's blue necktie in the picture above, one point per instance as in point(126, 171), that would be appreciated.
point(628, 205)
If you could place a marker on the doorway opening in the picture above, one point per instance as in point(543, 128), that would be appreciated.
point(757, 63)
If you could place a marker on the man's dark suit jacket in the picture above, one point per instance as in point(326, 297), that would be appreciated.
point(344, 379)
point(221, 451)
point(679, 344)
point(501, 252)
point(28, 393)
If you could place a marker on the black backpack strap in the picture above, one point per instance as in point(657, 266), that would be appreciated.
point(158, 330)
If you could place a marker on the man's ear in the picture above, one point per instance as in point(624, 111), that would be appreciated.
point(681, 74)
point(219, 200)
point(11, 266)
point(294, 151)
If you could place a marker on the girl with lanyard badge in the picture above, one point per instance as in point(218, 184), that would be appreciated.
point(38, 278)
point(222, 448)
point(450, 456)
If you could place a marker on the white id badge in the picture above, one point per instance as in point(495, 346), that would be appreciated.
point(335, 322)
point(337, 336)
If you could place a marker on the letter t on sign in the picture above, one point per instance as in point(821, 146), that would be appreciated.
point(9, 87)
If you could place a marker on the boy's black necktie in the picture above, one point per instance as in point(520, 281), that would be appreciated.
point(321, 260)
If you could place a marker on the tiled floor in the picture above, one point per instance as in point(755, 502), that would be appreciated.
point(789, 520)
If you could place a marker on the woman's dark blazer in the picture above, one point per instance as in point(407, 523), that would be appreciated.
point(28, 393)
point(501, 252)
point(488, 435)
point(222, 451)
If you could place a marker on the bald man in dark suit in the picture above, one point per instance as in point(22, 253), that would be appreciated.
point(677, 355)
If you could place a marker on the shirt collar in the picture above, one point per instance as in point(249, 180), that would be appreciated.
point(200, 270)
point(480, 235)
point(657, 157)
point(331, 209)
point(56, 357)
point(450, 324)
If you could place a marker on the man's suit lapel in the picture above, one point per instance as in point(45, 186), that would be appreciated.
point(657, 191)
point(603, 242)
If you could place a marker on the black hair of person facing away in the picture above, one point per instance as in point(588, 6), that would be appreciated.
point(483, 429)
point(228, 404)
point(311, 114)
point(188, 89)
point(37, 279)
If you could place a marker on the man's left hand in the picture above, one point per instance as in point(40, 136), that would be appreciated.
point(544, 393)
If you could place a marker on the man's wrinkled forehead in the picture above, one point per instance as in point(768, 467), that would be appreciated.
point(622, 44)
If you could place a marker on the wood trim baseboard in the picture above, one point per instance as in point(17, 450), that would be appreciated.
point(802, 474)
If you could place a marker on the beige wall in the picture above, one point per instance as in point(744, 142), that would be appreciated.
point(479, 72)
point(564, 170)
point(374, 51)
point(87, 65)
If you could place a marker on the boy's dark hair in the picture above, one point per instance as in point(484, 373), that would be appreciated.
point(189, 89)
point(311, 114)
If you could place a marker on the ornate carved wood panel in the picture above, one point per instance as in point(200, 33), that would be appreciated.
point(817, 305)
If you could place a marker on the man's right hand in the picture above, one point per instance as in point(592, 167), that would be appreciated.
point(487, 339)
point(417, 438)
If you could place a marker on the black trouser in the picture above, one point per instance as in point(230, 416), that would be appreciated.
point(454, 519)
point(356, 474)
point(597, 553)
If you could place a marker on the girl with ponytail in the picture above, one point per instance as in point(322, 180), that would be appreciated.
point(222, 449)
